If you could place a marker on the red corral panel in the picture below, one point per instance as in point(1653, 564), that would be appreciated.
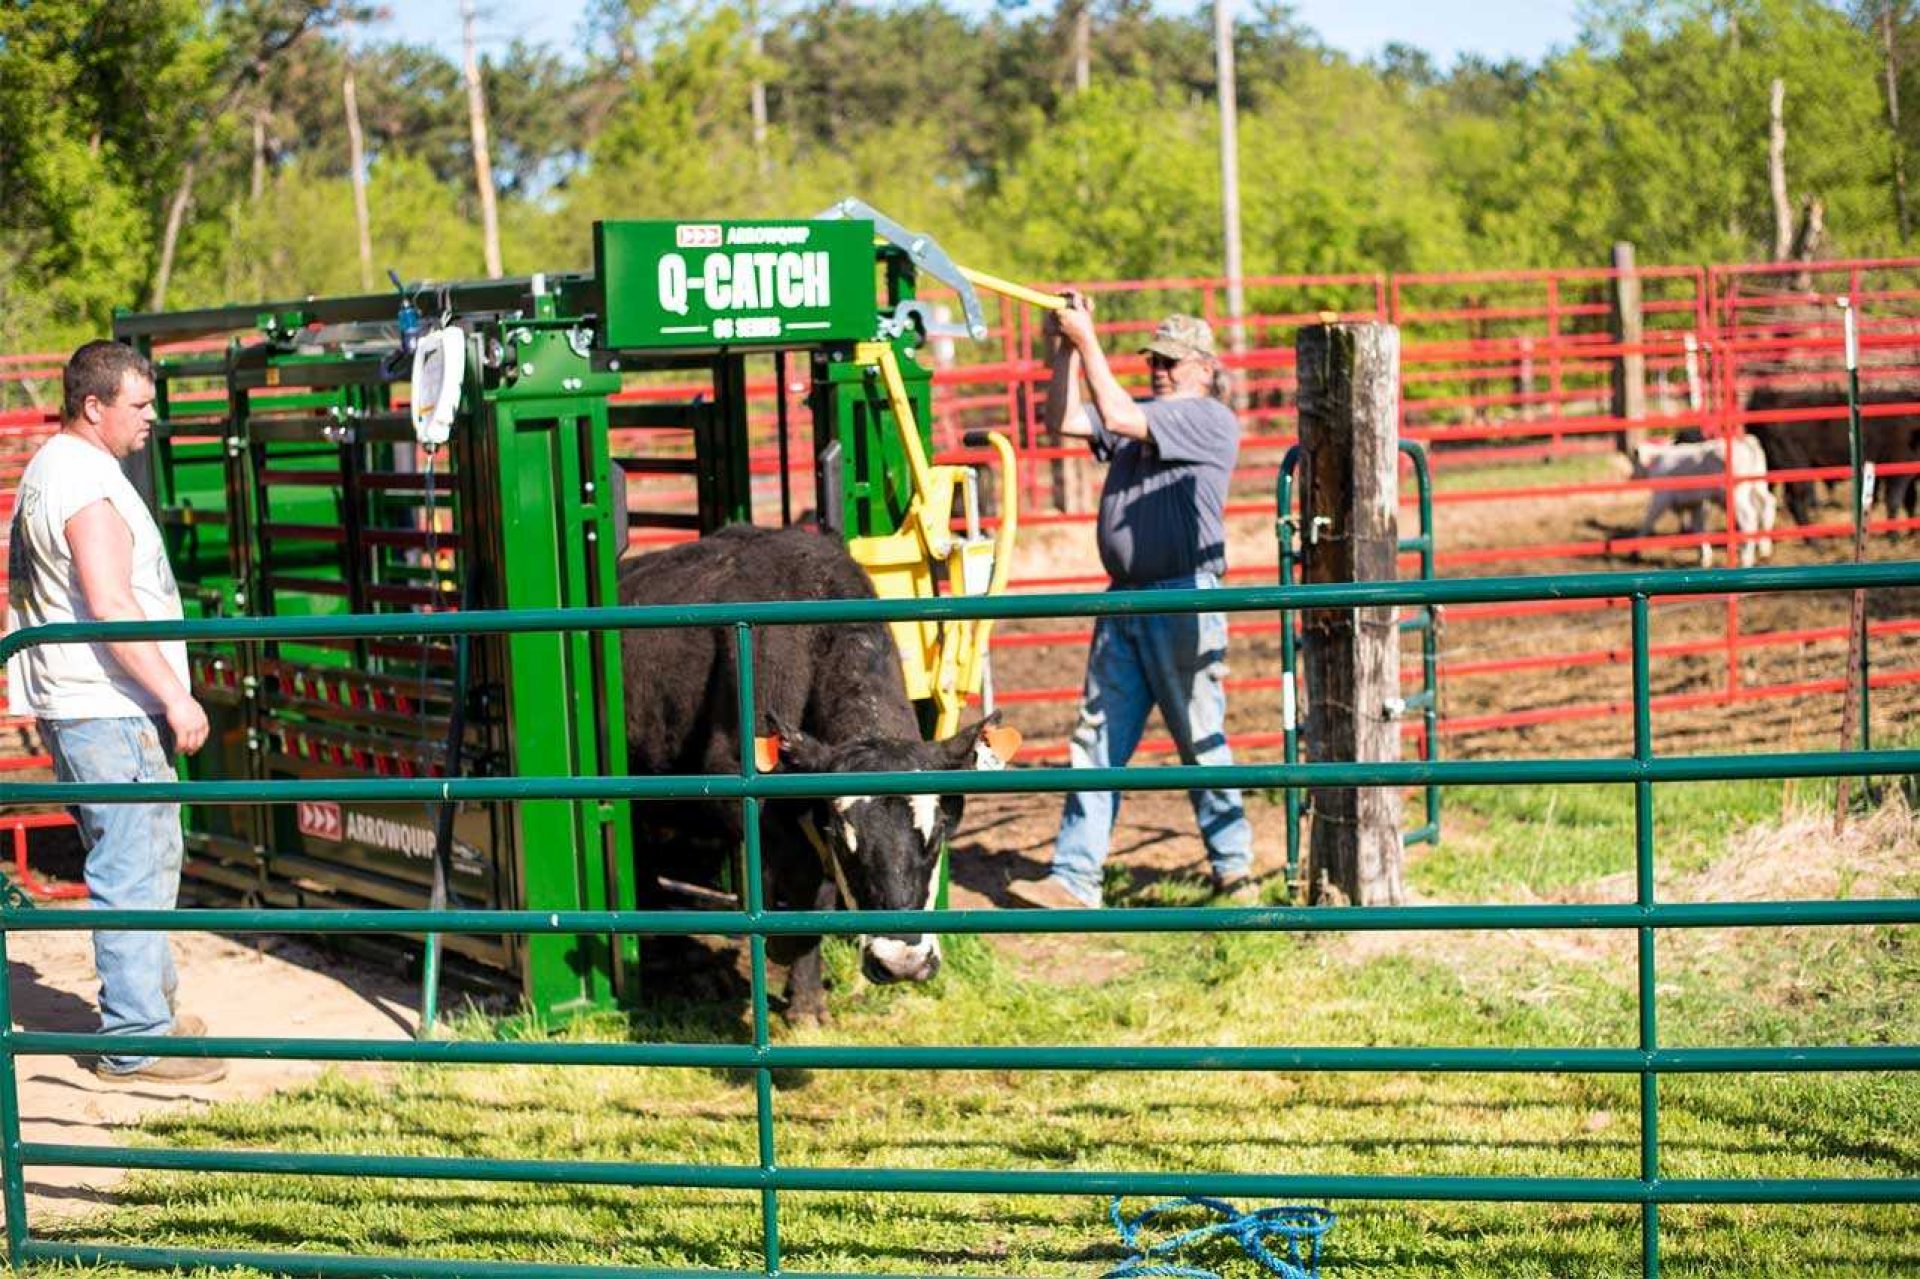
point(1509, 379)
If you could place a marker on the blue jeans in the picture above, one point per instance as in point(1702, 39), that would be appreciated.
point(133, 863)
point(1176, 662)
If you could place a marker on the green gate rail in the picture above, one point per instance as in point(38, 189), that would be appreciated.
point(1645, 916)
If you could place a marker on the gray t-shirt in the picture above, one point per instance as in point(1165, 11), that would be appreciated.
point(1162, 509)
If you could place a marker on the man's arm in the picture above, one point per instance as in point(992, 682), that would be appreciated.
point(1119, 412)
point(1066, 410)
point(102, 547)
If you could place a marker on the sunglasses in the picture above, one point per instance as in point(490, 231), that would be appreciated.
point(1156, 361)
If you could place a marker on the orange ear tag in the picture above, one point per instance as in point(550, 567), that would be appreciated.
point(1003, 741)
point(766, 754)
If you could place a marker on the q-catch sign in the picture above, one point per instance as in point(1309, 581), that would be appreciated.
point(724, 284)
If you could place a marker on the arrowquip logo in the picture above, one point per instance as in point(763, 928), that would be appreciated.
point(320, 819)
point(415, 843)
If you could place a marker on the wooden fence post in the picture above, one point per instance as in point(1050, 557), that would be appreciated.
point(1349, 441)
point(1630, 369)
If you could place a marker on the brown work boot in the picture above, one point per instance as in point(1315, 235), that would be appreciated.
point(167, 1070)
point(1046, 894)
point(188, 1026)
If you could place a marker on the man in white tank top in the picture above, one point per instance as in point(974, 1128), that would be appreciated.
point(85, 548)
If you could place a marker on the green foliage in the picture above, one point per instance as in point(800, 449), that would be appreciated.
point(304, 223)
point(960, 120)
point(1122, 185)
point(1656, 132)
point(1331, 186)
point(839, 70)
point(92, 99)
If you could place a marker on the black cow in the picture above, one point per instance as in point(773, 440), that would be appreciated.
point(835, 697)
point(1823, 441)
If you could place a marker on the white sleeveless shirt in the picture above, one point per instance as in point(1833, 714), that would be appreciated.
point(79, 681)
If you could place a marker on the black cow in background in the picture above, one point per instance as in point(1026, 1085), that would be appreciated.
point(836, 697)
point(1823, 441)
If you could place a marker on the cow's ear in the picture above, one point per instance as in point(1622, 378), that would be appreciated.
point(987, 745)
point(803, 754)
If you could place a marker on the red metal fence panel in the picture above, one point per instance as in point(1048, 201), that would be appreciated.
point(1507, 376)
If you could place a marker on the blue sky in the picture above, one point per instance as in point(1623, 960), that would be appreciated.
point(1524, 29)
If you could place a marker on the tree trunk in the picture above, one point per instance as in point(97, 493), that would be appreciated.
point(357, 166)
point(170, 238)
point(1349, 410)
point(482, 160)
point(1230, 177)
point(1736, 224)
point(757, 91)
point(1893, 121)
point(1808, 241)
point(257, 185)
point(1082, 45)
point(1777, 171)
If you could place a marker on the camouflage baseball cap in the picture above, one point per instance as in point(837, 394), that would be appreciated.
point(1180, 336)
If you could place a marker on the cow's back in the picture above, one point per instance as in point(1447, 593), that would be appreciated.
point(1826, 440)
point(681, 681)
point(743, 562)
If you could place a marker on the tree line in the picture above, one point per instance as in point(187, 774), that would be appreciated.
point(193, 152)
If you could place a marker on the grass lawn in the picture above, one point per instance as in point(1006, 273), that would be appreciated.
point(1461, 476)
point(1728, 987)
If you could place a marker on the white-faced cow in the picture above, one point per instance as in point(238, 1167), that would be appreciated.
point(1753, 502)
point(836, 698)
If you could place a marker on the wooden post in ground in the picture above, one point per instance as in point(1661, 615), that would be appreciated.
point(1349, 441)
point(1630, 368)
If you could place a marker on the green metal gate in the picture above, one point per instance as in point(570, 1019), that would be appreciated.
point(1646, 917)
point(1426, 624)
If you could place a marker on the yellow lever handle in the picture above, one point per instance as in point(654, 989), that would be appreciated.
point(1018, 292)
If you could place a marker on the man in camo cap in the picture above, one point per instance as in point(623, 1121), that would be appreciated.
point(1161, 527)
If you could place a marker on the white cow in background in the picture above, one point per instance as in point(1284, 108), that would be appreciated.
point(1753, 501)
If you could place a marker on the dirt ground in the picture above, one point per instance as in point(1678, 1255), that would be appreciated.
point(1584, 656)
point(251, 987)
point(242, 987)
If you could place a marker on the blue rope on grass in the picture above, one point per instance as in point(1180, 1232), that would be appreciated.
point(1300, 1226)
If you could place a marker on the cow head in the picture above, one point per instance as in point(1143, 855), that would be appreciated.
point(883, 851)
point(1643, 455)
